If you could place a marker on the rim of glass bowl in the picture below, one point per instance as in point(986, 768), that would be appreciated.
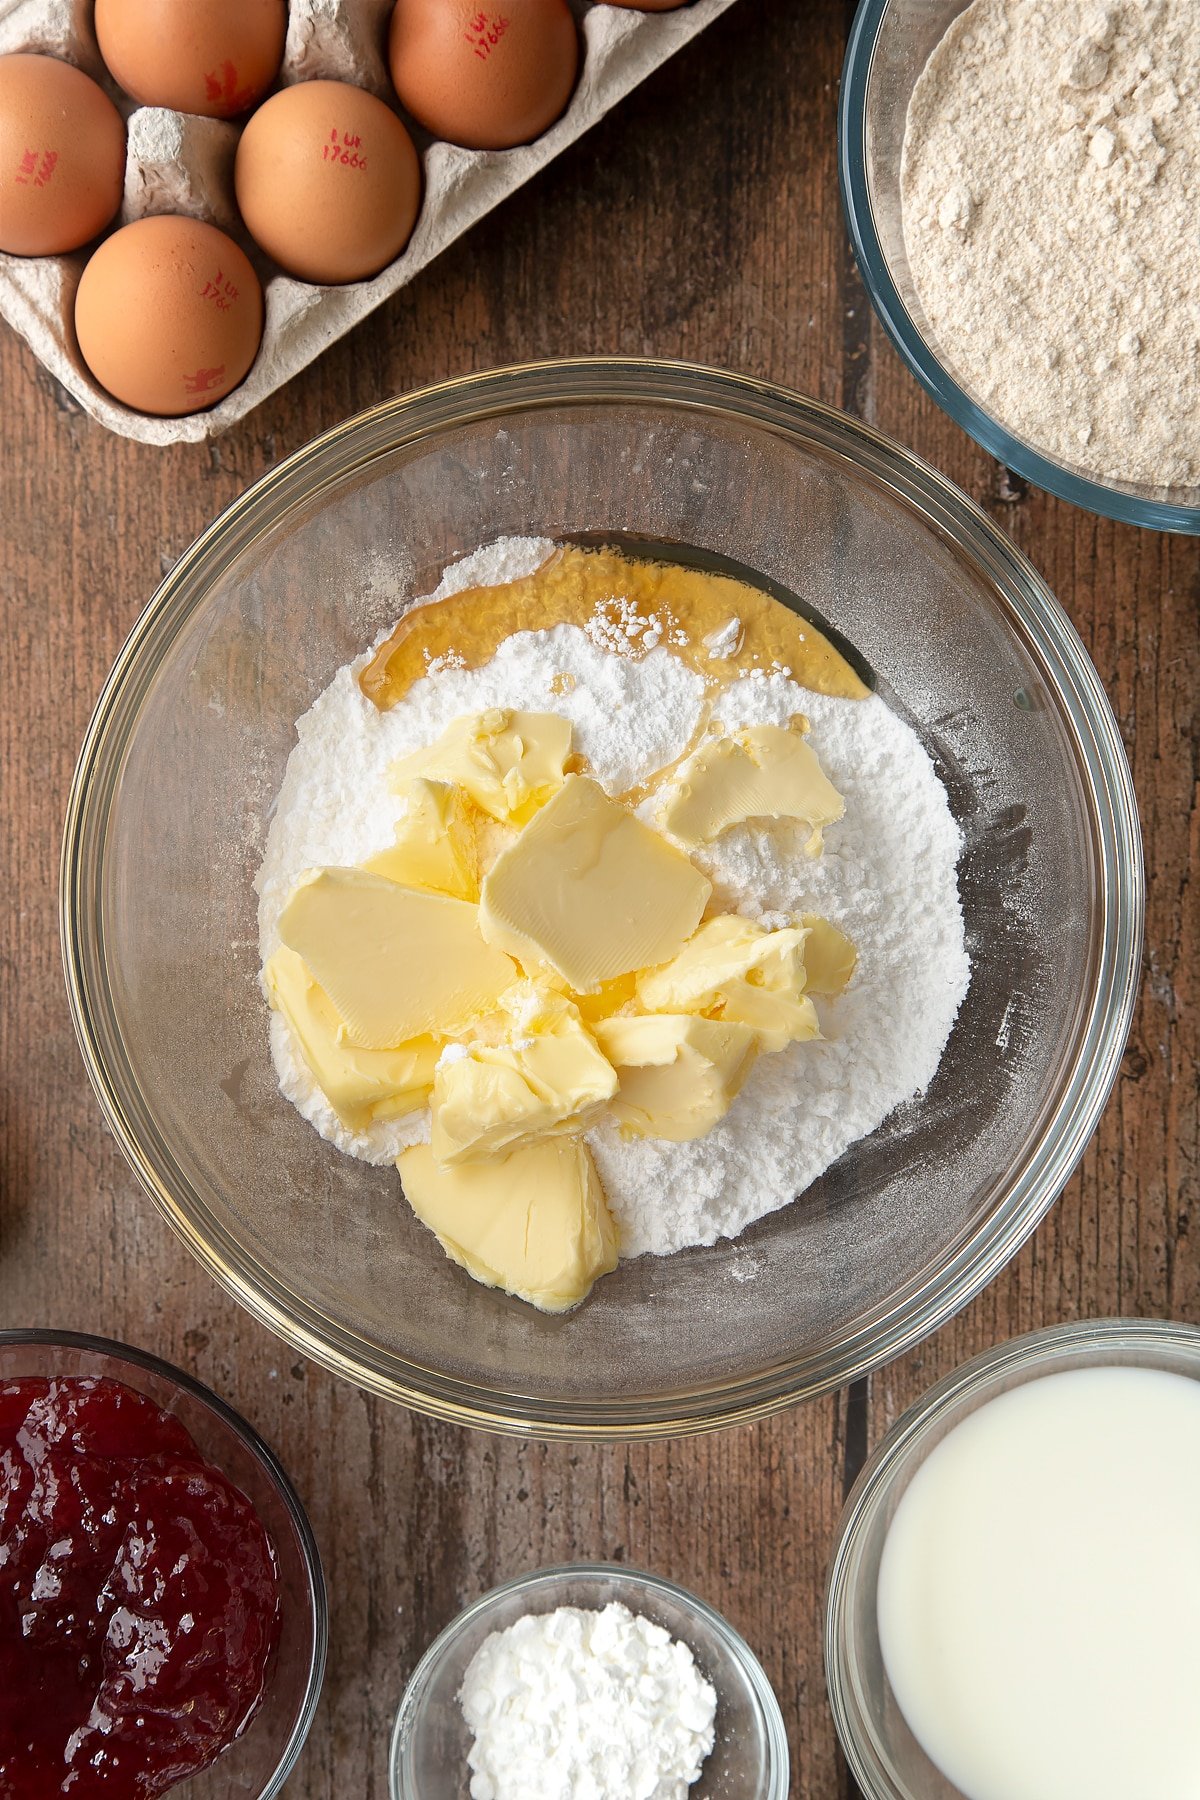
point(918, 354)
point(280, 1480)
point(1026, 1353)
point(1034, 615)
point(743, 1655)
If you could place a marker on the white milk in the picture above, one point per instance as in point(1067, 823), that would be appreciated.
point(1039, 1592)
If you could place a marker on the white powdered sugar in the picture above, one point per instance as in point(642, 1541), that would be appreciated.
point(887, 876)
point(1051, 192)
point(579, 1705)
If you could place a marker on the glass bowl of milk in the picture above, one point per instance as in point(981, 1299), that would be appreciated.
point(1013, 1609)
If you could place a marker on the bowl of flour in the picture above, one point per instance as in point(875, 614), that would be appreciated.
point(987, 868)
point(1021, 185)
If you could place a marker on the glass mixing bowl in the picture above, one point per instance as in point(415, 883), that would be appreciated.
point(749, 1760)
point(256, 1765)
point(890, 43)
point(885, 1758)
point(185, 754)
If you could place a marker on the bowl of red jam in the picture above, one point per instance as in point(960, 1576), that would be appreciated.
point(163, 1620)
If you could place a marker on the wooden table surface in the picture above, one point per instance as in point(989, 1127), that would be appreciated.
point(701, 220)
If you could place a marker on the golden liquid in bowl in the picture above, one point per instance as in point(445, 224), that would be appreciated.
point(683, 609)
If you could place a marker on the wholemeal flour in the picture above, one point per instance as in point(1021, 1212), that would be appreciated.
point(1051, 197)
point(887, 877)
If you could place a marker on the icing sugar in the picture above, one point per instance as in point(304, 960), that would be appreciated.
point(887, 877)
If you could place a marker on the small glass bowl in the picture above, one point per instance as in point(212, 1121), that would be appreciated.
point(890, 43)
point(885, 1758)
point(258, 1763)
point(431, 1739)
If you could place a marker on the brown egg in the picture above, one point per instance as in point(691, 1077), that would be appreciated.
point(62, 156)
point(328, 181)
point(215, 57)
point(487, 77)
point(169, 315)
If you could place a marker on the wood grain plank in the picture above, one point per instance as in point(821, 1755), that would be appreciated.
point(699, 220)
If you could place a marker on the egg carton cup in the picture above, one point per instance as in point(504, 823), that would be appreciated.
point(180, 163)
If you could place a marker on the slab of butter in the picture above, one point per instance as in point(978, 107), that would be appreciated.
point(362, 1086)
point(830, 959)
point(590, 892)
point(509, 762)
point(397, 963)
point(535, 1223)
point(678, 1072)
point(609, 998)
point(545, 1075)
point(736, 969)
point(435, 845)
point(763, 772)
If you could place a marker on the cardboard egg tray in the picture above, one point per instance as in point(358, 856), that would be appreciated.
point(179, 163)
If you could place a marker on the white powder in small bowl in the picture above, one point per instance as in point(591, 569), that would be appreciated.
point(887, 877)
point(580, 1705)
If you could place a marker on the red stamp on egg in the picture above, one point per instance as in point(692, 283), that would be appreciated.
point(221, 89)
point(345, 149)
point(484, 32)
point(204, 380)
point(35, 168)
point(220, 290)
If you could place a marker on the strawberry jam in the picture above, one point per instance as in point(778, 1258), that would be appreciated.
point(139, 1598)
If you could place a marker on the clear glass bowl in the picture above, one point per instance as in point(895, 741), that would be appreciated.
point(185, 753)
point(749, 1760)
point(885, 1758)
point(256, 1766)
point(890, 43)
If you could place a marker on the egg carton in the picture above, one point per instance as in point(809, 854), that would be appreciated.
point(179, 163)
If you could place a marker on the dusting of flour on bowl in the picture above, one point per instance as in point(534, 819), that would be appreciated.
point(887, 877)
point(1050, 186)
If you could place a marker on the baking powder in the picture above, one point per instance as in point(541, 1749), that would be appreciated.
point(578, 1705)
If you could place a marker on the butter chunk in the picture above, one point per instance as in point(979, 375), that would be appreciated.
point(435, 843)
point(535, 1223)
point(610, 997)
point(830, 959)
point(508, 762)
point(397, 963)
point(362, 1086)
point(735, 969)
point(590, 892)
point(544, 1076)
point(678, 1072)
point(763, 772)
